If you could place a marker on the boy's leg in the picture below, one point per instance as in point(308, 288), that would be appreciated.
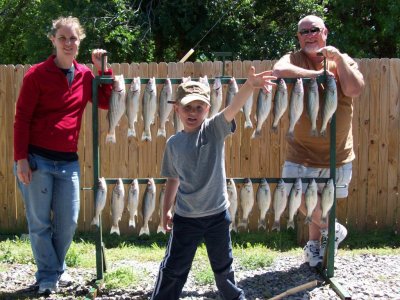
point(181, 248)
point(219, 248)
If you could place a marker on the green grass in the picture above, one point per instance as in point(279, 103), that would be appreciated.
point(251, 251)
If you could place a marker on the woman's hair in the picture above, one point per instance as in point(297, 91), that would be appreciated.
point(62, 21)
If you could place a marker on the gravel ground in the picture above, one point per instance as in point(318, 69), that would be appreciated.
point(364, 276)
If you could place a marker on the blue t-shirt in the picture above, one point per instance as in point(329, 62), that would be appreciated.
point(197, 159)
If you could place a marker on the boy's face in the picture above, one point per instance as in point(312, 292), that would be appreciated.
point(192, 114)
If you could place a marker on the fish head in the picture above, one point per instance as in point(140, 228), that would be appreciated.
point(135, 85)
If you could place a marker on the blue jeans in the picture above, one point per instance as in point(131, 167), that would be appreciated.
point(185, 236)
point(52, 203)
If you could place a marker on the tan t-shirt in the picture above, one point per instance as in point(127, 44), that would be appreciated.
point(314, 151)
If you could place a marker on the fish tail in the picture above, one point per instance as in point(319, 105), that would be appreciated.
point(324, 220)
point(274, 128)
point(290, 134)
point(290, 224)
point(114, 229)
point(160, 229)
point(132, 223)
point(261, 224)
point(145, 230)
point(308, 220)
point(146, 136)
point(314, 132)
point(95, 221)
point(248, 124)
point(243, 223)
point(256, 134)
point(276, 226)
point(131, 132)
point(323, 132)
point(161, 132)
point(110, 138)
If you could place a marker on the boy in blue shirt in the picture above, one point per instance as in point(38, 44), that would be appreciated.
point(194, 164)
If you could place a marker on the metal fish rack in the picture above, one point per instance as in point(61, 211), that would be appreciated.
point(327, 269)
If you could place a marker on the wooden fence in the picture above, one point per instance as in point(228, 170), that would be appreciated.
point(373, 200)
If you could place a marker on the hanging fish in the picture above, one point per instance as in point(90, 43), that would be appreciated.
point(100, 201)
point(327, 199)
point(247, 112)
point(264, 201)
point(232, 197)
point(149, 108)
point(116, 107)
point(264, 102)
point(164, 107)
point(296, 105)
point(330, 104)
point(132, 105)
point(246, 201)
point(280, 202)
point(313, 105)
point(232, 91)
point(294, 201)
point(280, 103)
point(311, 199)
point(149, 204)
point(133, 202)
point(117, 205)
point(216, 97)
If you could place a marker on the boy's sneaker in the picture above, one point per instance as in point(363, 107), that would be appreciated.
point(47, 288)
point(340, 235)
point(311, 253)
point(65, 280)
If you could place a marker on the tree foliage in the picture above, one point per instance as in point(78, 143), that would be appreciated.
point(159, 30)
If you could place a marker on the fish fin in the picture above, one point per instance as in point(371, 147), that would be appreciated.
point(110, 138)
point(131, 132)
point(161, 132)
point(95, 221)
point(114, 229)
point(290, 224)
point(276, 226)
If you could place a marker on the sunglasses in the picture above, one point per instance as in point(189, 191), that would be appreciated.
point(312, 30)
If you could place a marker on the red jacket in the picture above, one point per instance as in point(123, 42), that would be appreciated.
point(49, 112)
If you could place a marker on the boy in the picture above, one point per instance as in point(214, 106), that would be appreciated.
point(194, 164)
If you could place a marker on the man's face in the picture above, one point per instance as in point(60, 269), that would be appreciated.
point(312, 35)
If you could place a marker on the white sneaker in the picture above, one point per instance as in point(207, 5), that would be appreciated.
point(65, 280)
point(340, 235)
point(311, 253)
point(47, 288)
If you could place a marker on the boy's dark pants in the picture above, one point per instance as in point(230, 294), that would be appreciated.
point(186, 235)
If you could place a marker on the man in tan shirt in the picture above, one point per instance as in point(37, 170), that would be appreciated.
point(308, 155)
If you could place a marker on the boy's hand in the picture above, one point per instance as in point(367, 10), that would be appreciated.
point(167, 222)
point(260, 80)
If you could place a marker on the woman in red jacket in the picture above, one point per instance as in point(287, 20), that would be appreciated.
point(48, 118)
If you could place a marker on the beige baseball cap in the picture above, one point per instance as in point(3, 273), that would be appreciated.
point(191, 91)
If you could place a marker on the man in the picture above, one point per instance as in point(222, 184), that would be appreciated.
point(308, 155)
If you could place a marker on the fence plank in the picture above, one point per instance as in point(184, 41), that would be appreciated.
point(4, 147)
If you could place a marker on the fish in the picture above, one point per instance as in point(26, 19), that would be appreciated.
point(327, 199)
point(133, 202)
point(117, 205)
point(116, 107)
point(280, 202)
point(313, 105)
point(263, 197)
point(247, 112)
point(216, 97)
point(149, 108)
point(232, 197)
point(232, 91)
point(132, 105)
point(164, 108)
point(311, 199)
point(149, 204)
point(246, 201)
point(280, 103)
point(295, 196)
point(161, 210)
point(296, 105)
point(264, 103)
point(330, 104)
point(100, 201)
point(178, 125)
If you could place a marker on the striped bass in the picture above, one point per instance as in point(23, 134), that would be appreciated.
point(330, 104)
point(132, 105)
point(149, 108)
point(116, 107)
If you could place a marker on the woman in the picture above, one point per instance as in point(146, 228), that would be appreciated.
point(48, 117)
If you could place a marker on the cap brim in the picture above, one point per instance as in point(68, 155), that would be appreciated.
point(193, 97)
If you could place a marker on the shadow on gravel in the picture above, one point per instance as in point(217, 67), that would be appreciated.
point(273, 283)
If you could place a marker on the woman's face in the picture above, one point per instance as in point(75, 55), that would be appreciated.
point(66, 41)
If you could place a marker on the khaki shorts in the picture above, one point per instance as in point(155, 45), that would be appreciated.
point(343, 176)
